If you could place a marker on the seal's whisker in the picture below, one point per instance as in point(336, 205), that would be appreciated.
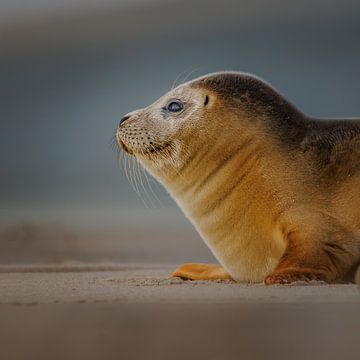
point(114, 145)
point(189, 74)
point(140, 178)
point(176, 79)
point(139, 174)
point(148, 182)
point(145, 194)
point(124, 162)
point(134, 178)
point(133, 172)
point(142, 173)
point(150, 179)
point(129, 174)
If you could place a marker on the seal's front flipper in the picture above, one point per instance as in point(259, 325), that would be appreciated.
point(201, 272)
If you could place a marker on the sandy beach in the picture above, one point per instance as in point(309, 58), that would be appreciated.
point(111, 311)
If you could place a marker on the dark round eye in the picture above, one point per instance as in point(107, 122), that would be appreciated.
point(174, 106)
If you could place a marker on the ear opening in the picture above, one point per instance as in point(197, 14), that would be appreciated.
point(206, 100)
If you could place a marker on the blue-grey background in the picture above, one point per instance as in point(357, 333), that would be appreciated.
point(70, 69)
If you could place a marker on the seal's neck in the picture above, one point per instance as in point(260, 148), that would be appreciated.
point(212, 173)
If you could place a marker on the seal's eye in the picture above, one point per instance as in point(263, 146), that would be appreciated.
point(174, 106)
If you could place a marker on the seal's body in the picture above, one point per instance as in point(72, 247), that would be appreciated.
point(274, 194)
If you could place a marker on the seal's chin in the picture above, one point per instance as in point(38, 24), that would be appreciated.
point(123, 146)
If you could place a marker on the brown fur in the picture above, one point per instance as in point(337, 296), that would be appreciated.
point(274, 194)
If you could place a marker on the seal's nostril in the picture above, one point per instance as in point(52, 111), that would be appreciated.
point(124, 119)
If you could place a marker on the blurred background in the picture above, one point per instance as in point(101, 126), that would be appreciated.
point(69, 70)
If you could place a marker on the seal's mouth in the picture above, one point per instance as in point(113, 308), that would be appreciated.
point(149, 150)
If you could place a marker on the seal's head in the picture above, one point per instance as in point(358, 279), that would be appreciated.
point(194, 116)
point(163, 132)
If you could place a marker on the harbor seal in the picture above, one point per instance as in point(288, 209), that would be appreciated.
point(274, 193)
